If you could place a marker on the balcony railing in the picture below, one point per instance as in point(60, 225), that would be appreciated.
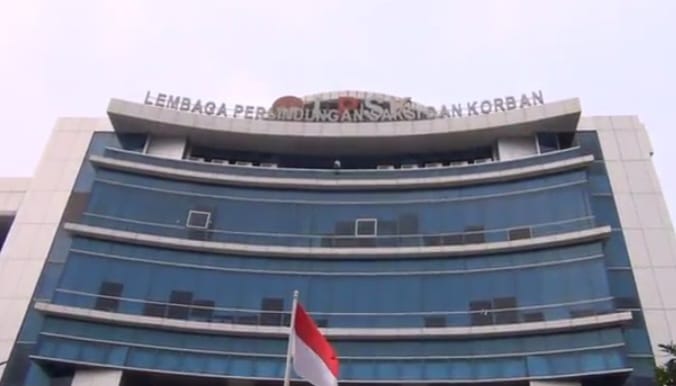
point(369, 174)
point(341, 241)
point(207, 311)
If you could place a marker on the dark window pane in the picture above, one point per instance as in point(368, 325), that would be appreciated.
point(408, 224)
point(272, 318)
point(366, 227)
point(249, 319)
point(109, 299)
point(345, 228)
point(519, 233)
point(474, 234)
point(548, 142)
point(454, 239)
point(627, 302)
point(580, 313)
point(481, 312)
point(202, 310)
point(432, 240)
point(198, 219)
point(180, 304)
point(510, 314)
point(154, 309)
point(536, 316)
point(435, 321)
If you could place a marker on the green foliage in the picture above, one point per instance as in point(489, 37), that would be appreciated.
point(666, 374)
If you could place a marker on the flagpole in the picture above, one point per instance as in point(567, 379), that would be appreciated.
point(289, 347)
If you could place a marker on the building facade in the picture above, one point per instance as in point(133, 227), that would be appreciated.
point(159, 246)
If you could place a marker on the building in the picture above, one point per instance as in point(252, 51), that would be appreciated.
point(507, 241)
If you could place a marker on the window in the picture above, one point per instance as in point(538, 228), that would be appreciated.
point(481, 312)
point(474, 234)
point(507, 310)
point(435, 321)
point(365, 227)
point(180, 304)
point(154, 309)
point(274, 318)
point(519, 233)
point(536, 316)
point(198, 219)
point(623, 302)
point(109, 296)
point(202, 310)
point(548, 142)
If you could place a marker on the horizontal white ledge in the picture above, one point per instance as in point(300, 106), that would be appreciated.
point(412, 382)
point(338, 184)
point(345, 253)
point(337, 333)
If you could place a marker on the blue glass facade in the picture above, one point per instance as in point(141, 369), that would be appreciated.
point(525, 286)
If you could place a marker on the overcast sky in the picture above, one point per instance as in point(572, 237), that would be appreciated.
point(67, 58)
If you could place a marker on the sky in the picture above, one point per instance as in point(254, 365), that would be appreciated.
point(68, 58)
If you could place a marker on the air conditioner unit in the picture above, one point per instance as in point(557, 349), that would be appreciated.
point(385, 167)
point(434, 165)
point(483, 160)
point(243, 163)
point(268, 165)
point(458, 163)
point(199, 159)
point(409, 166)
point(219, 161)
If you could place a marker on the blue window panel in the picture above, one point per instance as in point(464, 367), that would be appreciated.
point(241, 366)
point(411, 371)
point(637, 341)
point(513, 368)
point(615, 360)
point(538, 366)
point(439, 369)
point(218, 365)
point(564, 363)
point(92, 352)
point(195, 363)
point(68, 350)
point(269, 367)
point(117, 355)
point(460, 369)
point(362, 370)
point(168, 360)
point(141, 358)
point(387, 369)
point(48, 348)
point(592, 361)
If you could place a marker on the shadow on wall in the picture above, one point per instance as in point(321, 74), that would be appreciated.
point(5, 224)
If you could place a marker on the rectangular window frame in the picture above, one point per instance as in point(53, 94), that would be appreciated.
point(198, 212)
point(361, 220)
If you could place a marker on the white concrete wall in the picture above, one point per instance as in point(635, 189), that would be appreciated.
point(12, 191)
point(516, 147)
point(36, 221)
point(645, 220)
point(97, 378)
point(168, 147)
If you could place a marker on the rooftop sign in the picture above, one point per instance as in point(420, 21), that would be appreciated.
point(343, 109)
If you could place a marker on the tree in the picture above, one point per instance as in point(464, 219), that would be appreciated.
point(666, 375)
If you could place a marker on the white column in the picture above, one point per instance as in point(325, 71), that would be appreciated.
point(645, 221)
point(97, 378)
point(37, 219)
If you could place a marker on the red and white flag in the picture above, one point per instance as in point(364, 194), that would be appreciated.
point(313, 357)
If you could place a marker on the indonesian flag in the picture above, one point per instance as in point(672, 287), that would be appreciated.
point(313, 357)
